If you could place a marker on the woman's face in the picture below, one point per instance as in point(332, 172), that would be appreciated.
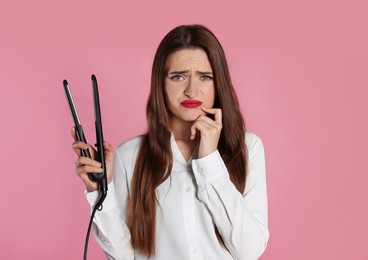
point(189, 84)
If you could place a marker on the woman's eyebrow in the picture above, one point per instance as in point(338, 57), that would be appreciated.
point(204, 72)
point(179, 72)
point(187, 71)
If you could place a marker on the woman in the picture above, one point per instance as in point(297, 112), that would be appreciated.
point(194, 186)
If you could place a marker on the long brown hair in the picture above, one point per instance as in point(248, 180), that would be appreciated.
point(154, 162)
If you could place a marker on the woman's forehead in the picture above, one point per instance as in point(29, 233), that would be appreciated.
point(188, 59)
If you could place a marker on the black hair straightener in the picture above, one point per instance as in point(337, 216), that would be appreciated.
point(100, 178)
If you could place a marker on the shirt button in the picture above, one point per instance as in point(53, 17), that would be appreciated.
point(188, 189)
point(195, 251)
point(200, 170)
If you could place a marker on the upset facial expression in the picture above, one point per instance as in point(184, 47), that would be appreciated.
point(189, 84)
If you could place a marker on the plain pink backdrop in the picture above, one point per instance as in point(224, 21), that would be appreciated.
point(300, 69)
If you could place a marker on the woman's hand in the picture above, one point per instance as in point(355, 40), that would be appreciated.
point(209, 130)
point(85, 165)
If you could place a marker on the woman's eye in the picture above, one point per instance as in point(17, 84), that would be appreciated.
point(177, 77)
point(206, 77)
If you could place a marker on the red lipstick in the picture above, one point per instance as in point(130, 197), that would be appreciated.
point(191, 103)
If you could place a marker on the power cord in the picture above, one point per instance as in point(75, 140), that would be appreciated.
point(98, 207)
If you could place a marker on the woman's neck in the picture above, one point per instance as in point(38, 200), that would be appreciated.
point(181, 130)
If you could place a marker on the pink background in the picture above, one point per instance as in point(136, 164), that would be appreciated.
point(301, 73)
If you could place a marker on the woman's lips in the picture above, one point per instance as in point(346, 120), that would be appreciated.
point(191, 103)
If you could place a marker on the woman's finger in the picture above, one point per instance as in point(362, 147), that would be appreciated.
point(72, 131)
point(87, 161)
point(209, 130)
point(78, 146)
point(87, 169)
point(209, 121)
point(109, 153)
point(107, 146)
point(214, 111)
point(199, 125)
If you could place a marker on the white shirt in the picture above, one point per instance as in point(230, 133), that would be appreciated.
point(197, 196)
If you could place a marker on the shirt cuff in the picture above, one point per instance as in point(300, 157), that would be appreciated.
point(92, 197)
point(209, 168)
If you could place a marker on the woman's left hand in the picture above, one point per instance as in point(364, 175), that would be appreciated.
point(209, 131)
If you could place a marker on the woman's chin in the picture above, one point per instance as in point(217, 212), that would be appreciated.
point(193, 116)
point(188, 116)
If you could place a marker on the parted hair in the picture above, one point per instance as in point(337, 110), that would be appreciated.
point(155, 160)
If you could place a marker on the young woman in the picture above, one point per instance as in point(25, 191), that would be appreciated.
point(193, 186)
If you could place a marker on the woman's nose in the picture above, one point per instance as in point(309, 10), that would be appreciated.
point(191, 89)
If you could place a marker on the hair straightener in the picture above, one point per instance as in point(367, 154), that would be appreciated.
point(100, 178)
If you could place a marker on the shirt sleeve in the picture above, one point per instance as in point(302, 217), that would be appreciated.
point(109, 227)
point(241, 219)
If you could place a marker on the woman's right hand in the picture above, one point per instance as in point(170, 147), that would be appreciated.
point(85, 165)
